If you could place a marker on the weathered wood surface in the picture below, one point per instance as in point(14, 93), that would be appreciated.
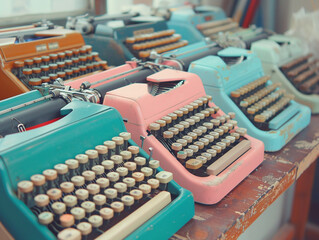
point(239, 209)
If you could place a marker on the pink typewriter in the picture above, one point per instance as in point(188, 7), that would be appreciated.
point(170, 113)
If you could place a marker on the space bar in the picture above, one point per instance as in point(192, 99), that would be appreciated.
point(229, 157)
point(138, 217)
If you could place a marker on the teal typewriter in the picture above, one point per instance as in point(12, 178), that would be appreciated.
point(286, 60)
point(236, 80)
point(82, 177)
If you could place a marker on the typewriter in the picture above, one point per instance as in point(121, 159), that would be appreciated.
point(236, 79)
point(39, 55)
point(138, 36)
point(285, 60)
point(231, 29)
point(172, 117)
point(70, 180)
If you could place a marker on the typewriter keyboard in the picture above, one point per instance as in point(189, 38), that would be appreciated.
point(65, 65)
point(261, 102)
point(303, 74)
point(107, 191)
point(210, 29)
point(161, 41)
point(203, 144)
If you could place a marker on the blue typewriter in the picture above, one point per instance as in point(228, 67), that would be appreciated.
point(81, 176)
point(235, 79)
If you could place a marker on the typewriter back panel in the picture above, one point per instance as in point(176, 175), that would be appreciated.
point(54, 143)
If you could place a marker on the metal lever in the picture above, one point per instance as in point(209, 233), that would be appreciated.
point(142, 138)
point(151, 153)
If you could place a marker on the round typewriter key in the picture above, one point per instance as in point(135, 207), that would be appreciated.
point(194, 105)
point(88, 175)
point(235, 135)
point(103, 182)
point(136, 194)
point(145, 188)
point(154, 183)
point(85, 228)
point(202, 159)
point(113, 176)
point(98, 169)
point(147, 171)
point(70, 200)
point(130, 182)
point(224, 128)
point(208, 125)
point(241, 131)
point(120, 187)
point(154, 126)
point(67, 187)
point(92, 154)
point(200, 115)
point(204, 140)
point(131, 166)
point(219, 131)
point(229, 126)
point(222, 145)
point(117, 159)
point(167, 119)
point(233, 122)
point(178, 113)
point(61, 168)
point(164, 177)
point(18, 64)
point(69, 234)
point(185, 124)
point(123, 171)
point(107, 213)
point(78, 181)
point(88, 206)
point(207, 155)
point(232, 115)
point(172, 115)
point(134, 149)
point(117, 206)
point(217, 148)
point(138, 176)
point(38, 179)
point(215, 122)
point(216, 108)
point(154, 164)
point(190, 121)
point(96, 221)
point(101, 149)
point(226, 141)
point(82, 194)
point(93, 188)
point(206, 113)
point(99, 199)
point(72, 164)
point(58, 208)
point(110, 193)
point(222, 119)
point(78, 213)
point(203, 129)
point(189, 152)
point(195, 118)
point(189, 139)
point(35, 81)
point(192, 135)
point(127, 200)
point(140, 161)
point(67, 220)
point(180, 127)
point(118, 140)
point(82, 158)
point(168, 134)
point(162, 123)
point(181, 155)
point(41, 200)
point(227, 117)
point(194, 148)
point(177, 146)
point(54, 194)
point(194, 164)
point(108, 164)
point(212, 152)
point(45, 218)
point(199, 102)
point(182, 141)
point(210, 138)
point(173, 130)
point(214, 134)
point(126, 155)
point(109, 144)
point(125, 135)
point(199, 144)
point(211, 111)
point(184, 110)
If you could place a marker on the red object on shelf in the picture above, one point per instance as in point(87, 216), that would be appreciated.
point(250, 13)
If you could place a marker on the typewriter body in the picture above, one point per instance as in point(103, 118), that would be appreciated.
point(189, 17)
point(286, 61)
point(236, 79)
point(198, 163)
point(53, 189)
point(42, 57)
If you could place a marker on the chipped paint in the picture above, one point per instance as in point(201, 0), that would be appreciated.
point(227, 79)
point(303, 144)
point(199, 218)
point(240, 213)
point(218, 180)
point(269, 179)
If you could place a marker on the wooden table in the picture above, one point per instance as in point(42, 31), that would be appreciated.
point(242, 206)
